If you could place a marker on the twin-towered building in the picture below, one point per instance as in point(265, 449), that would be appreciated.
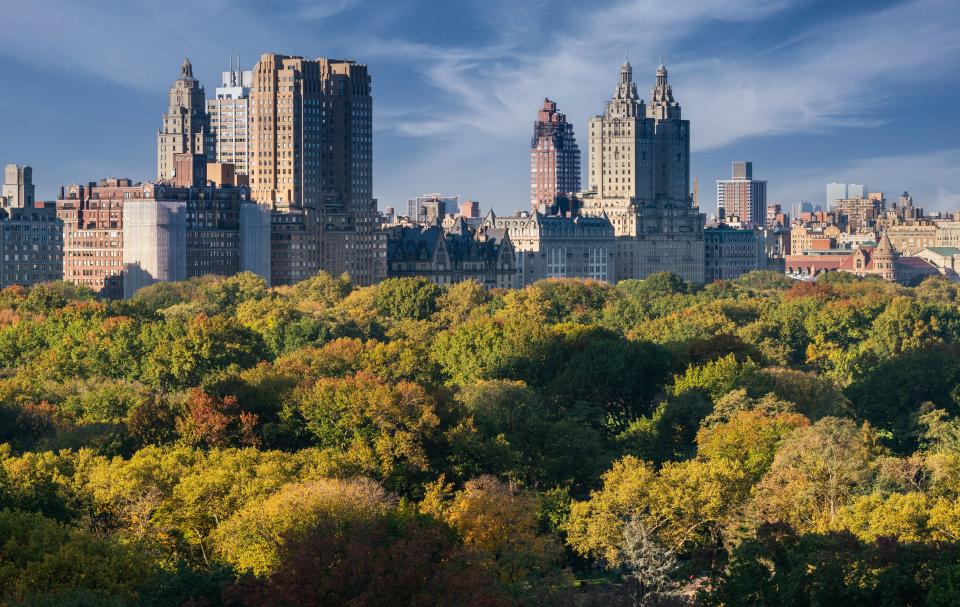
point(639, 181)
point(635, 218)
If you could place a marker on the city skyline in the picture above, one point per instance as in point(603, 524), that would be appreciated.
point(791, 87)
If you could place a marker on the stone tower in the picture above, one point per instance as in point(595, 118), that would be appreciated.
point(883, 258)
point(186, 125)
point(639, 177)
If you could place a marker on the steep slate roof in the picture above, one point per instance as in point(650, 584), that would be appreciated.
point(462, 243)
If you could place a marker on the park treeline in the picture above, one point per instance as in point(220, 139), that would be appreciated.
point(216, 442)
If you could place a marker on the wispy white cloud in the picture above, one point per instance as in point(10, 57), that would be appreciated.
point(320, 9)
point(822, 79)
point(839, 75)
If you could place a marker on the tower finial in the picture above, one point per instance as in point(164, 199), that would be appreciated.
point(186, 70)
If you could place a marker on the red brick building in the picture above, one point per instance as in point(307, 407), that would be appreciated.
point(92, 217)
point(554, 158)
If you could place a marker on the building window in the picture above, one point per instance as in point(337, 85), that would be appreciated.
point(598, 263)
point(557, 262)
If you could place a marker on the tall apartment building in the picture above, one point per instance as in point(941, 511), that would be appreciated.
point(119, 236)
point(351, 243)
point(186, 125)
point(743, 196)
point(18, 189)
point(92, 217)
point(554, 158)
point(230, 119)
point(31, 245)
point(312, 152)
point(639, 176)
point(553, 246)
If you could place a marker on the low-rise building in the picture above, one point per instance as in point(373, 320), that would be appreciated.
point(553, 246)
point(729, 252)
point(451, 256)
point(812, 263)
point(945, 259)
point(884, 261)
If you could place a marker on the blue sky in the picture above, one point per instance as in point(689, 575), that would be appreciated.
point(810, 91)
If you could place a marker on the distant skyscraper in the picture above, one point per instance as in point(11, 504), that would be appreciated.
point(856, 190)
point(186, 126)
point(554, 158)
point(470, 209)
point(230, 118)
point(425, 208)
point(799, 208)
point(18, 190)
point(743, 196)
point(836, 191)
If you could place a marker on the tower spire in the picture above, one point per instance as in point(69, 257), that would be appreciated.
point(186, 70)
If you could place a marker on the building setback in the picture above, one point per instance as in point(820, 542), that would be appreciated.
point(639, 176)
point(554, 158)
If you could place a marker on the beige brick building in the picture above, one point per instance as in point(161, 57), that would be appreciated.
point(639, 177)
point(186, 126)
point(311, 151)
point(912, 236)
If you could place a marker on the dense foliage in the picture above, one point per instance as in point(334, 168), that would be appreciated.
point(216, 442)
